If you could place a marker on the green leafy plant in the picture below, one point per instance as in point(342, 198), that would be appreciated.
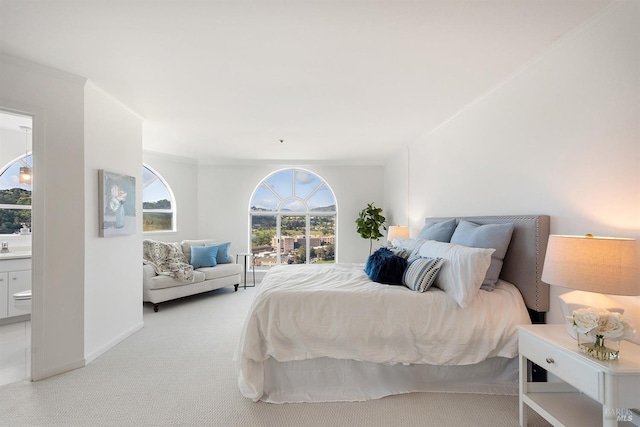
point(369, 222)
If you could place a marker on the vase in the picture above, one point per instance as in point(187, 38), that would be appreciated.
point(120, 216)
point(597, 348)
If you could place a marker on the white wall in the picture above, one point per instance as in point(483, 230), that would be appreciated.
point(55, 99)
point(181, 174)
point(113, 269)
point(560, 137)
point(396, 188)
point(66, 266)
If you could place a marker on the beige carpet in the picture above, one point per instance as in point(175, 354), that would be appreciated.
point(177, 371)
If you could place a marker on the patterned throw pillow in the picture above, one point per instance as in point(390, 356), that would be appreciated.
point(421, 273)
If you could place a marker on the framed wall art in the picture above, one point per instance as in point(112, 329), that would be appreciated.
point(117, 206)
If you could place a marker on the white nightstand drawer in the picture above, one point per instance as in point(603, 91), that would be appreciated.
point(570, 369)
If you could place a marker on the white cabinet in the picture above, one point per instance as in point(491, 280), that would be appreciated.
point(15, 276)
point(591, 392)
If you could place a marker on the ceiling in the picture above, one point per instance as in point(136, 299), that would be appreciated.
point(315, 80)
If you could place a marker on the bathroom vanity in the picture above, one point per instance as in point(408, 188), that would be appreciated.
point(15, 277)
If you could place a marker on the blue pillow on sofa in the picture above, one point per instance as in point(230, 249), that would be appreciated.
point(223, 256)
point(384, 267)
point(203, 256)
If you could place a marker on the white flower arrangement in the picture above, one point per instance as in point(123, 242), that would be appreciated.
point(601, 323)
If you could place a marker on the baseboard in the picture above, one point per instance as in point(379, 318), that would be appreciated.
point(58, 370)
point(88, 358)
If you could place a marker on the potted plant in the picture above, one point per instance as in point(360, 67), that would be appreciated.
point(369, 222)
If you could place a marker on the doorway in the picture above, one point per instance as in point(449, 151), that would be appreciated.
point(16, 164)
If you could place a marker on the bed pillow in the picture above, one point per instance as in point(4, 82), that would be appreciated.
point(384, 267)
point(223, 256)
point(421, 273)
point(463, 270)
point(440, 231)
point(491, 236)
point(408, 243)
point(203, 256)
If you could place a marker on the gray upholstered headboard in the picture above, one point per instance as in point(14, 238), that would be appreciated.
point(525, 256)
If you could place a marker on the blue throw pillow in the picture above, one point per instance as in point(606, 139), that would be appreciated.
point(384, 267)
point(203, 256)
point(223, 256)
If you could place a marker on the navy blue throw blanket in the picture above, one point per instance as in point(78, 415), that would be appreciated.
point(384, 267)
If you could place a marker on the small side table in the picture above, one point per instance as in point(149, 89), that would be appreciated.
point(591, 393)
point(245, 258)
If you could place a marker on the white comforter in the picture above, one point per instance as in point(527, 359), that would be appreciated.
point(310, 311)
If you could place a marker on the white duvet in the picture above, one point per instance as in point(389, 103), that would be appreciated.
point(311, 311)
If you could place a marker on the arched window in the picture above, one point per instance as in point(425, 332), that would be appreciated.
point(293, 219)
point(15, 197)
point(158, 206)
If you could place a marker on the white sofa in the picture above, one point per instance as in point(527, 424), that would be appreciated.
point(161, 288)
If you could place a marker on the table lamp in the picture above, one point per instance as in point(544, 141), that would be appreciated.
point(592, 266)
point(397, 232)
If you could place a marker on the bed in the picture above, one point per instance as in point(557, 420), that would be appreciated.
point(318, 333)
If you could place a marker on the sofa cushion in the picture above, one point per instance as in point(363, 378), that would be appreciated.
point(220, 270)
point(162, 282)
point(186, 246)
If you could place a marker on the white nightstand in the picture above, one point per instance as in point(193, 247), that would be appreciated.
point(592, 392)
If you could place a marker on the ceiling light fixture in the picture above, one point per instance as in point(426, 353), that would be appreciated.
point(25, 171)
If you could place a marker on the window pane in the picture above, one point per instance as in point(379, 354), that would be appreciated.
point(281, 182)
point(263, 244)
point(10, 177)
point(322, 200)
point(157, 221)
point(147, 177)
point(322, 239)
point(305, 183)
point(156, 196)
point(264, 200)
point(15, 196)
point(11, 220)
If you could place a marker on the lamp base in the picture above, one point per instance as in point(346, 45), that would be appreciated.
point(575, 300)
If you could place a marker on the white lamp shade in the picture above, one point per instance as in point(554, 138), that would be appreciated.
point(397, 232)
point(594, 264)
